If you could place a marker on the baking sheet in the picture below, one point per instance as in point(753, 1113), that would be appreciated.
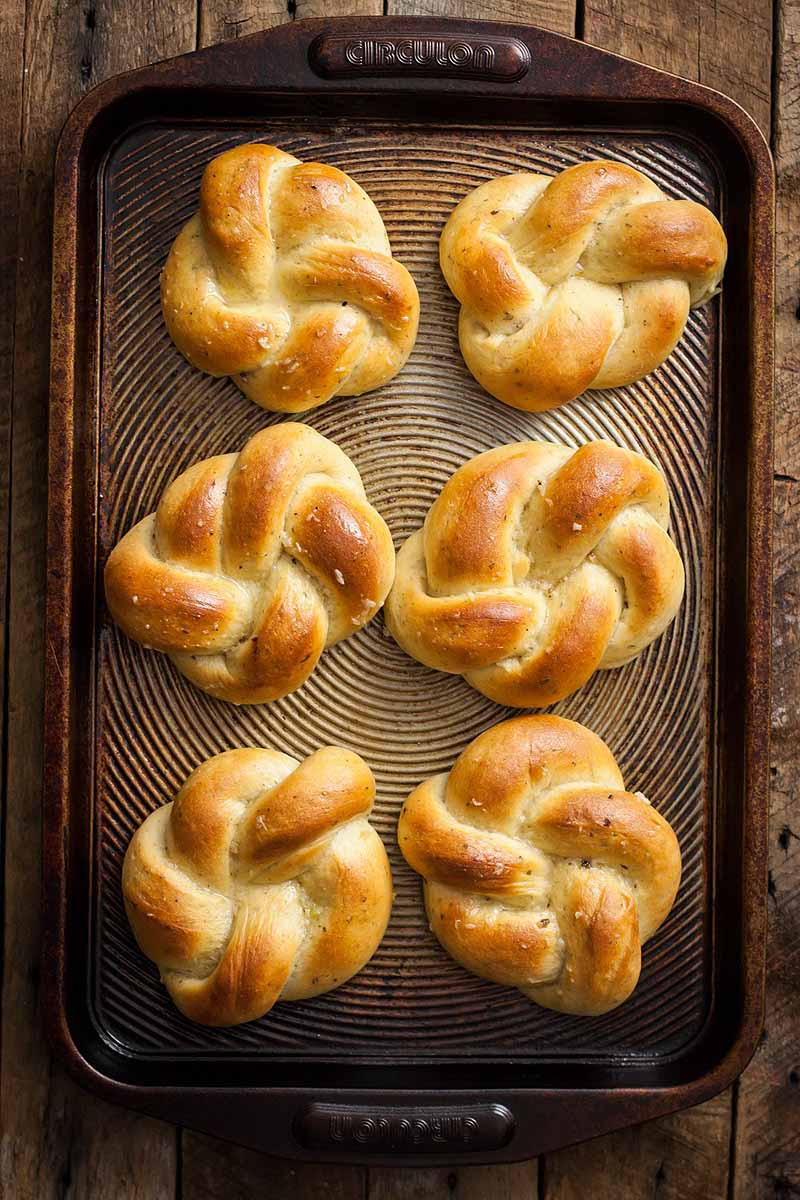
point(157, 415)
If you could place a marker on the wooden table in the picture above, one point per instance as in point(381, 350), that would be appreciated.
point(59, 1142)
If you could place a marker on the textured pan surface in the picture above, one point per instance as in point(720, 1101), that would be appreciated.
point(158, 415)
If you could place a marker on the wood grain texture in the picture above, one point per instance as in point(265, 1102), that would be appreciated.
point(722, 44)
point(681, 1157)
point(515, 1182)
point(213, 1169)
point(223, 20)
point(321, 8)
point(557, 15)
point(11, 77)
point(767, 1151)
point(56, 1141)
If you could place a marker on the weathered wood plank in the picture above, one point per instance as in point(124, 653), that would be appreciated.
point(222, 20)
point(681, 1157)
point(557, 15)
point(354, 8)
point(11, 77)
point(685, 1155)
point(514, 1182)
point(57, 1141)
point(767, 1150)
point(724, 45)
point(213, 1170)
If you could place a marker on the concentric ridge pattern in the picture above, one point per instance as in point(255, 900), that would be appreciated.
point(159, 415)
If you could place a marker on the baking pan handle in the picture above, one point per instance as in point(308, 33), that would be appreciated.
point(417, 54)
point(358, 55)
point(405, 50)
point(403, 1130)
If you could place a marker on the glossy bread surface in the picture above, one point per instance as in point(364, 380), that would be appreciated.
point(580, 281)
point(284, 279)
point(541, 871)
point(262, 881)
point(252, 564)
point(537, 565)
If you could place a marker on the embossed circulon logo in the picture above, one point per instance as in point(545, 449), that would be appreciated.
point(421, 1131)
point(485, 58)
point(403, 1131)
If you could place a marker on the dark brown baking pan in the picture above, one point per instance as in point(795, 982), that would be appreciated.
point(414, 1060)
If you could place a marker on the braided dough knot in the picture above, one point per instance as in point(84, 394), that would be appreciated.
point(285, 280)
point(580, 281)
point(252, 564)
point(541, 872)
point(262, 881)
point(536, 565)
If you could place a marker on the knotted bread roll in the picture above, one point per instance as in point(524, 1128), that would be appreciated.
point(580, 281)
point(252, 564)
point(536, 565)
point(541, 872)
point(284, 279)
point(262, 881)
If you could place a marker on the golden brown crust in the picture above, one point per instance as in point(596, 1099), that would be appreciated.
point(536, 565)
point(262, 881)
point(284, 279)
point(541, 872)
point(583, 280)
point(252, 564)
